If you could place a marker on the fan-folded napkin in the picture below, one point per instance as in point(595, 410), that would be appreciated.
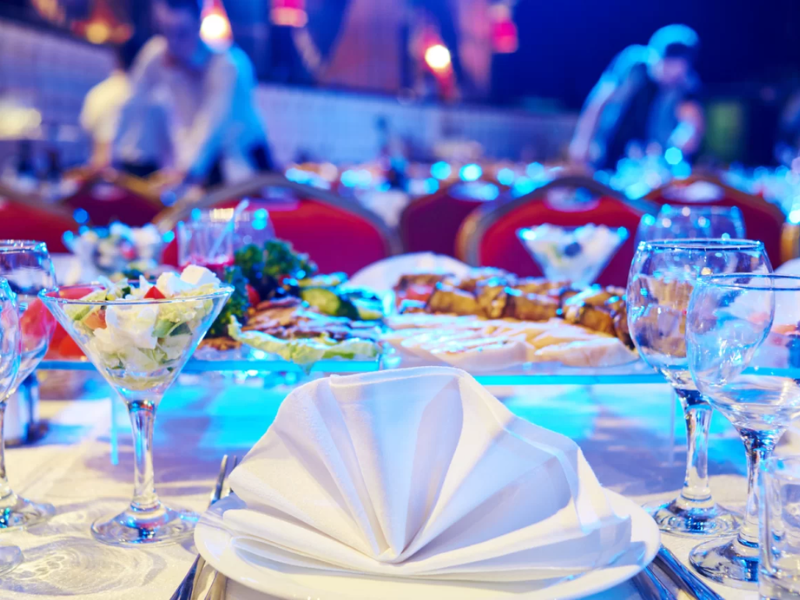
point(419, 473)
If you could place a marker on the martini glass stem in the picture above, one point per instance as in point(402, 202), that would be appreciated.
point(143, 416)
point(697, 414)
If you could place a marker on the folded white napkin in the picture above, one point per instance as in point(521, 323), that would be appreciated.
point(419, 473)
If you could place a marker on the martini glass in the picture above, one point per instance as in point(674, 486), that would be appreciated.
point(10, 556)
point(577, 254)
point(27, 268)
point(139, 347)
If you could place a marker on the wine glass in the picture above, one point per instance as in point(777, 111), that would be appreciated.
point(675, 222)
point(10, 556)
point(660, 284)
point(139, 347)
point(27, 267)
point(743, 338)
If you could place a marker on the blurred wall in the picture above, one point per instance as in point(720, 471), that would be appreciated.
point(52, 73)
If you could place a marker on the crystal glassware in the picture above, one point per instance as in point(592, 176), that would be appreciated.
point(779, 528)
point(577, 254)
point(206, 239)
point(27, 267)
point(139, 347)
point(660, 284)
point(743, 338)
point(10, 556)
point(677, 222)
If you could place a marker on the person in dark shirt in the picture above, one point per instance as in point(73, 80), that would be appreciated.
point(649, 96)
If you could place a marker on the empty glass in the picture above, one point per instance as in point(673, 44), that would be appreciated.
point(10, 556)
point(662, 276)
point(675, 222)
point(27, 267)
point(742, 335)
point(779, 526)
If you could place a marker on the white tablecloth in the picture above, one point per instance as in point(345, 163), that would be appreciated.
point(626, 433)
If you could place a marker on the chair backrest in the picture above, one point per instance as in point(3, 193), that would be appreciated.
point(762, 220)
point(27, 217)
point(431, 223)
point(488, 236)
point(116, 197)
point(338, 234)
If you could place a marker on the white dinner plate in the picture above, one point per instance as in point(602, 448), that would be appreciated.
point(282, 581)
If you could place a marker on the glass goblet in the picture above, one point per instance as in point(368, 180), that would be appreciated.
point(10, 556)
point(660, 284)
point(743, 338)
point(675, 222)
point(27, 267)
point(139, 347)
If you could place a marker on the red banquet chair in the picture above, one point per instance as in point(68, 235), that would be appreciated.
point(762, 220)
point(431, 223)
point(113, 196)
point(337, 233)
point(488, 236)
point(29, 218)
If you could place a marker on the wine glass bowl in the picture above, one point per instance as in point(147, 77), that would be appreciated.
point(139, 346)
point(692, 222)
point(660, 286)
point(743, 336)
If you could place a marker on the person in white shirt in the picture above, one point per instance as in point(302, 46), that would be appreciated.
point(213, 119)
point(102, 105)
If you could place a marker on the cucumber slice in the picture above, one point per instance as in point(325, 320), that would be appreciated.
point(329, 303)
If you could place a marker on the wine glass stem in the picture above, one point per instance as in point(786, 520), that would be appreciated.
point(758, 446)
point(5, 489)
point(697, 414)
point(143, 416)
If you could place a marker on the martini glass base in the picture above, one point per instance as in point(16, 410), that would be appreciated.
point(10, 558)
point(19, 513)
point(727, 561)
point(167, 526)
point(677, 520)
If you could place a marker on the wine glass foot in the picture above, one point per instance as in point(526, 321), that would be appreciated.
point(166, 526)
point(10, 558)
point(20, 513)
point(677, 520)
point(728, 562)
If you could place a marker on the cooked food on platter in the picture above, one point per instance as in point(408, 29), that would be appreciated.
point(492, 320)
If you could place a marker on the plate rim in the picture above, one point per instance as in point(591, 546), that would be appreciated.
point(288, 590)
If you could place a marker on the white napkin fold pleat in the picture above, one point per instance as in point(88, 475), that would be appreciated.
point(419, 473)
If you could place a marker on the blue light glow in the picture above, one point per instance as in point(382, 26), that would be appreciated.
point(441, 170)
point(794, 216)
point(673, 156)
point(168, 237)
point(506, 176)
point(523, 186)
point(349, 178)
point(535, 170)
point(682, 170)
point(80, 216)
point(471, 172)
point(431, 185)
point(260, 219)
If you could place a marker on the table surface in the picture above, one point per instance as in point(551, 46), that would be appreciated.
point(631, 435)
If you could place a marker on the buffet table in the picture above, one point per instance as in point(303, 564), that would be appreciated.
point(627, 434)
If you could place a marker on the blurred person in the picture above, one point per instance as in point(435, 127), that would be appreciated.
point(210, 95)
point(647, 96)
point(102, 105)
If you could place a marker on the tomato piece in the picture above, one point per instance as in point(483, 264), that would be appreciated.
point(252, 295)
point(95, 320)
point(154, 294)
